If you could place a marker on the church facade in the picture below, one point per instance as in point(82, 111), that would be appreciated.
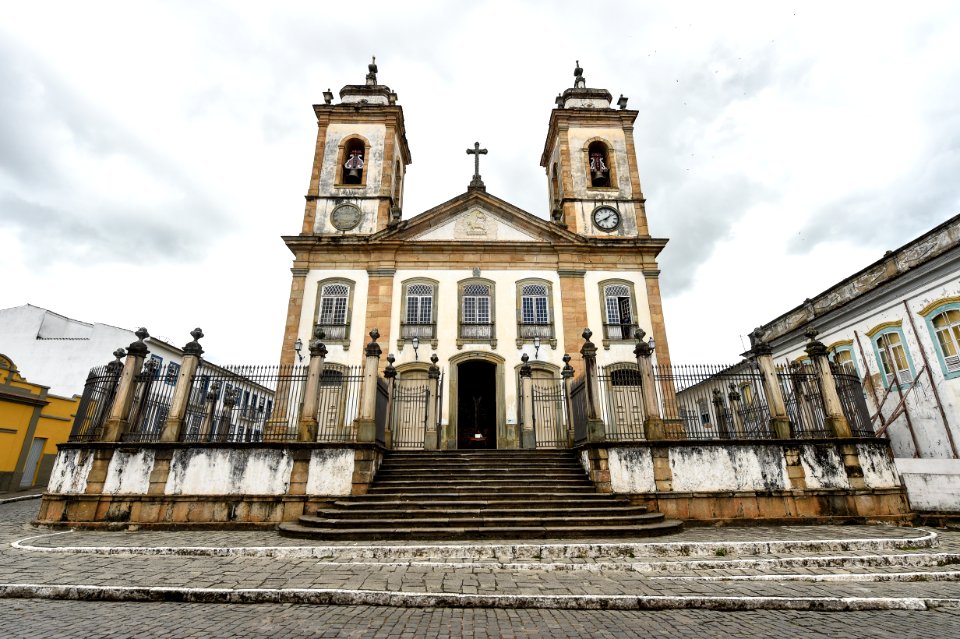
point(476, 281)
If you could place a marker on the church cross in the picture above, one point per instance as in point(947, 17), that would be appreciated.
point(476, 152)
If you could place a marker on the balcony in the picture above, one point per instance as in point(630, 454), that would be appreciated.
point(421, 331)
point(476, 333)
point(336, 334)
point(618, 333)
point(526, 331)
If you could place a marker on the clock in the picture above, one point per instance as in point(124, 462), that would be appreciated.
point(606, 218)
point(346, 217)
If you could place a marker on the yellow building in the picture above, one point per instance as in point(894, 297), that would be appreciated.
point(32, 423)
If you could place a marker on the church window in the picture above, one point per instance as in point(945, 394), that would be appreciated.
point(353, 157)
point(893, 357)
point(619, 309)
point(943, 321)
point(476, 312)
point(535, 312)
point(333, 310)
point(418, 313)
point(598, 158)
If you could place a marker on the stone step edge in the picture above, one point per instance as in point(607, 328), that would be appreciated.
point(509, 532)
point(541, 551)
point(332, 520)
point(401, 599)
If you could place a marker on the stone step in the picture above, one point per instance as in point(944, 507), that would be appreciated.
point(665, 527)
point(497, 476)
point(479, 496)
point(561, 505)
point(458, 512)
point(478, 467)
point(479, 490)
point(514, 521)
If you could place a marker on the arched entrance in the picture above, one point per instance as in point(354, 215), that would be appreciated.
point(477, 405)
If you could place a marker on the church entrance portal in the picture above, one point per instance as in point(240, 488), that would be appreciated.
point(476, 405)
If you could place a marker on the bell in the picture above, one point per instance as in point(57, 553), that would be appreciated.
point(599, 177)
point(353, 174)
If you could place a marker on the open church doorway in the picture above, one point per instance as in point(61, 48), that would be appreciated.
point(476, 405)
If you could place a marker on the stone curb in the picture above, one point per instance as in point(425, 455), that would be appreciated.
point(505, 552)
point(946, 575)
point(396, 599)
point(10, 500)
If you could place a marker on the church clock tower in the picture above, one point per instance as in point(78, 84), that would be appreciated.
point(356, 185)
point(591, 164)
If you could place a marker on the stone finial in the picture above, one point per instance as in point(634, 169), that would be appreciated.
point(640, 334)
point(214, 392)
point(586, 334)
point(734, 394)
point(328, 97)
point(525, 369)
point(115, 365)
point(589, 349)
point(194, 348)
point(434, 371)
point(374, 334)
point(373, 349)
point(150, 367)
point(559, 101)
point(434, 359)
point(317, 347)
point(579, 82)
point(622, 102)
point(717, 397)
point(119, 354)
point(815, 348)
point(390, 372)
point(139, 347)
point(372, 72)
point(811, 333)
point(567, 370)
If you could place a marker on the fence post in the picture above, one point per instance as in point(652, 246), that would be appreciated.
point(206, 428)
point(567, 374)
point(595, 426)
point(141, 395)
point(366, 422)
point(528, 435)
point(118, 420)
point(390, 374)
point(763, 356)
point(173, 426)
point(735, 407)
point(307, 430)
point(835, 419)
point(652, 421)
point(430, 441)
point(230, 396)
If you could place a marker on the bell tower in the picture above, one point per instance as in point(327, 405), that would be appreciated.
point(356, 184)
point(591, 164)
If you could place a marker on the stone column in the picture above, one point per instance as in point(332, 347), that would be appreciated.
point(430, 441)
point(528, 435)
point(836, 421)
point(595, 427)
point(390, 374)
point(763, 356)
point(173, 426)
point(118, 421)
point(366, 425)
point(735, 408)
point(652, 421)
point(567, 375)
point(307, 428)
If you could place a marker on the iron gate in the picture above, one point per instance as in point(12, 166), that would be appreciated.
point(410, 397)
point(548, 412)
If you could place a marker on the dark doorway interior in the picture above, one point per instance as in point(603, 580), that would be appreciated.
point(476, 405)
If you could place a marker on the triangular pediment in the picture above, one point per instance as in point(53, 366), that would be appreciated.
point(477, 216)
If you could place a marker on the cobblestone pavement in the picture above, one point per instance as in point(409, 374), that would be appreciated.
point(917, 568)
point(29, 619)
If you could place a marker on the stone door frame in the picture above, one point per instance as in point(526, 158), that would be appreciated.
point(506, 435)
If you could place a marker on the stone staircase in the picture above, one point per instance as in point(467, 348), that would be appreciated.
point(474, 495)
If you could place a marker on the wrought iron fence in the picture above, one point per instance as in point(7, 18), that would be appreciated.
point(549, 425)
point(94, 407)
point(801, 394)
point(245, 403)
point(713, 402)
point(339, 403)
point(151, 402)
point(409, 419)
point(578, 399)
point(380, 411)
point(854, 404)
point(621, 403)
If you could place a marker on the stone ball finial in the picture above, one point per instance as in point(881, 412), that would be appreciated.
point(119, 354)
point(391, 359)
point(434, 359)
point(142, 333)
point(524, 358)
point(811, 333)
point(640, 334)
point(566, 358)
point(139, 348)
point(194, 348)
point(196, 333)
point(374, 334)
point(586, 334)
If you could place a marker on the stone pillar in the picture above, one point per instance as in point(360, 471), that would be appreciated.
point(206, 428)
point(366, 425)
point(595, 428)
point(226, 419)
point(735, 408)
point(307, 428)
point(430, 435)
point(118, 420)
point(567, 375)
point(836, 421)
point(141, 394)
point(173, 426)
point(390, 374)
point(723, 430)
point(652, 421)
point(763, 356)
point(528, 435)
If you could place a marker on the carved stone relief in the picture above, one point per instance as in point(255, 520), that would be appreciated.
point(475, 225)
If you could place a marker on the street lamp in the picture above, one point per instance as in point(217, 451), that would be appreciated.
point(536, 346)
point(416, 346)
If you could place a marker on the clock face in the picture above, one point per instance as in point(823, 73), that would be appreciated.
point(606, 218)
point(346, 217)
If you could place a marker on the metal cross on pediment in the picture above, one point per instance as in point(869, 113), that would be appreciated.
point(476, 152)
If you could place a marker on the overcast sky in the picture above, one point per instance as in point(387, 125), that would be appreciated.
point(152, 154)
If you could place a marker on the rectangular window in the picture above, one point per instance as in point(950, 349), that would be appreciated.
point(893, 359)
point(333, 311)
point(476, 310)
point(173, 372)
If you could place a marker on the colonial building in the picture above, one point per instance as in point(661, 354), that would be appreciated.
point(475, 280)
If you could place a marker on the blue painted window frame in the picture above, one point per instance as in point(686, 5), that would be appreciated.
point(874, 341)
point(853, 356)
point(928, 318)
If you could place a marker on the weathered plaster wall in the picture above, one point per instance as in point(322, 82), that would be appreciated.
point(722, 468)
point(362, 196)
point(330, 472)
point(129, 472)
point(226, 471)
point(823, 467)
point(631, 470)
point(932, 484)
point(70, 471)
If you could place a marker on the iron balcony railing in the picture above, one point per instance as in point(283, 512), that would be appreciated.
point(476, 331)
point(335, 332)
point(620, 331)
point(418, 330)
point(528, 330)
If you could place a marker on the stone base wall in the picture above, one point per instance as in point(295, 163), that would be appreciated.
point(763, 481)
point(110, 485)
point(933, 485)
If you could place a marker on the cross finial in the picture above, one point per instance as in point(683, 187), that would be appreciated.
point(476, 183)
point(372, 72)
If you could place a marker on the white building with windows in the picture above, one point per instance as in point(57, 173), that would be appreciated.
point(896, 325)
point(475, 280)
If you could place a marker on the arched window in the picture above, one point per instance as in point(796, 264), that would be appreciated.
point(476, 312)
point(893, 357)
point(598, 156)
point(418, 318)
point(621, 321)
point(353, 162)
point(534, 312)
point(333, 310)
